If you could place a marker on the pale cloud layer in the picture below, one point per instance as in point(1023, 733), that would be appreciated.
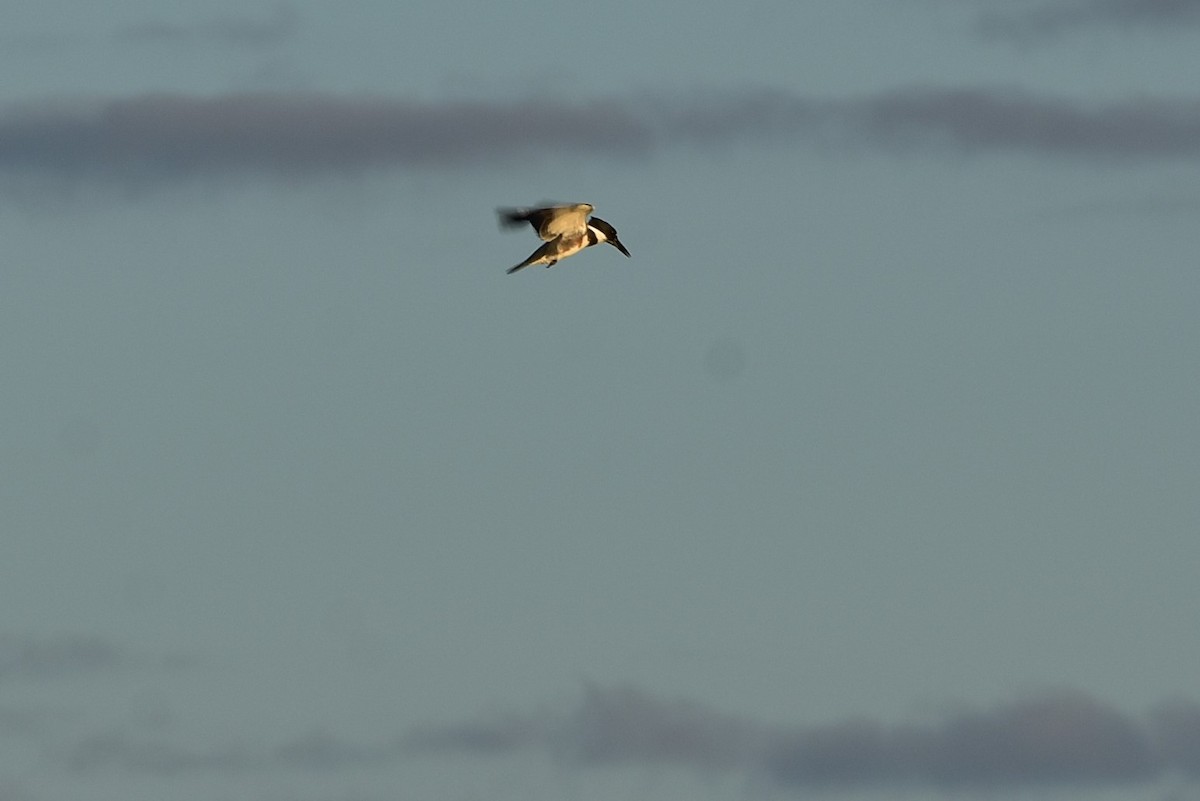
point(29, 656)
point(1042, 20)
point(136, 753)
point(271, 29)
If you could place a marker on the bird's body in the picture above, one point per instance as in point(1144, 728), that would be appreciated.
point(565, 229)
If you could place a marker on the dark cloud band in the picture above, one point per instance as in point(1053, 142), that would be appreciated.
point(1051, 740)
point(171, 137)
point(1055, 739)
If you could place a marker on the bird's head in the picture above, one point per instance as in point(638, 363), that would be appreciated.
point(606, 233)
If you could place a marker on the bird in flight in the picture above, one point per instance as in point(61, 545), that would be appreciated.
point(566, 230)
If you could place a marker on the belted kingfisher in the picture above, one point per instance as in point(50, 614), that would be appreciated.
point(565, 229)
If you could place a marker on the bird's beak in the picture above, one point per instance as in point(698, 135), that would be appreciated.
point(616, 243)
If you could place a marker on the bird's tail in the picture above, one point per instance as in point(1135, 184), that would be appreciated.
point(511, 218)
point(526, 263)
point(539, 256)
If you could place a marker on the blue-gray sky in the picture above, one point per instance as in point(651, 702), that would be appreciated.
point(873, 472)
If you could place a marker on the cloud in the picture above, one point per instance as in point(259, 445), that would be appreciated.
point(1054, 739)
point(1159, 206)
point(161, 138)
point(1063, 739)
point(1176, 727)
point(239, 31)
point(486, 737)
point(170, 137)
point(321, 750)
point(317, 750)
point(27, 721)
point(1052, 19)
point(610, 726)
point(30, 656)
point(623, 724)
point(117, 749)
point(983, 121)
point(14, 790)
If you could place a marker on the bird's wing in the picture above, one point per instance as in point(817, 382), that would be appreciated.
point(550, 222)
point(554, 221)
